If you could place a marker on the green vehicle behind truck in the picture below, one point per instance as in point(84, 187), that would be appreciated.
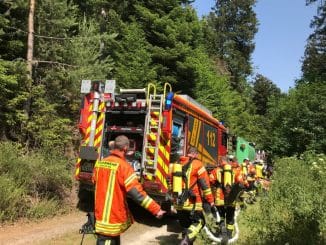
point(242, 149)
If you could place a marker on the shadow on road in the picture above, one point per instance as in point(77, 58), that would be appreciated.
point(144, 217)
point(168, 240)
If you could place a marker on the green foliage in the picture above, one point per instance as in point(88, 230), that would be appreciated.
point(12, 25)
point(293, 211)
point(298, 121)
point(43, 208)
point(263, 91)
point(12, 203)
point(214, 91)
point(313, 66)
point(13, 97)
point(230, 32)
point(131, 52)
point(8, 84)
point(173, 32)
point(30, 182)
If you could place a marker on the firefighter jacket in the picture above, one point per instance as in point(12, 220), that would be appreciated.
point(251, 172)
point(114, 179)
point(218, 181)
point(197, 181)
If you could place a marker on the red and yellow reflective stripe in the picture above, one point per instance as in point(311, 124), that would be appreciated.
point(77, 168)
point(99, 125)
point(163, 162)
point(89, 120)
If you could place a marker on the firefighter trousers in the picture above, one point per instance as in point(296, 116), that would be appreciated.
point(192, 222)
point(107, 240)
point(227, 216)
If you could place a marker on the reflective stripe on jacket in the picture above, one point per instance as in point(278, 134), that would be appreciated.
point(114, 179)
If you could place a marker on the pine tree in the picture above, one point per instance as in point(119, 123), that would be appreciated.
point(230, 33)
point(173, 31)
point(314, 65)
point(263, 90)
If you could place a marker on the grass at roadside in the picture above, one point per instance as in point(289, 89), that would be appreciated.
point(33, 185)
point(246, 231)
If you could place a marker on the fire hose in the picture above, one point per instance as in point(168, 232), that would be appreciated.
point(219, 239)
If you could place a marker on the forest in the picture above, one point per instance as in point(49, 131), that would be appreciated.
point(136, 42)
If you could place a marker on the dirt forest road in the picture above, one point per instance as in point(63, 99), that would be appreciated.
point(64, 230)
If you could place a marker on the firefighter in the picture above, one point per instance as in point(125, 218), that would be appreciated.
point(216, 182)
point(260, 176)
point(189, 204)
point(244, 167)
point(114, 179)
point(251, 175)
point(231, 183)
point(260, 169)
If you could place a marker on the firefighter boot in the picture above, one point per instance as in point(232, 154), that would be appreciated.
point(229, 231)
point(186, 241)
point(223, 233)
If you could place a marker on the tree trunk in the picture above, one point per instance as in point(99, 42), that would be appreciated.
point(29, 80)
point(30, 39)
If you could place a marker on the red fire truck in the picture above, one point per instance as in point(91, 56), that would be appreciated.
point(160, 126)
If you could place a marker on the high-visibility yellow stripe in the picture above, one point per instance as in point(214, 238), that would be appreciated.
point(151, 150)
point(101, 106)
point(230, 227)
point(161, 178)
point(198, 133)
point(77, 170)
point(109, 230)
point(195, 229)
point(130, 179)
point(201, 170)
point(207, 191)
point(194, 132)
point(89, 119)
point(99, 128)
point(146, 202)
point(188, 175)
point(107, 242)
point(107, 164)
point(112, 226)
point(152, 136)
point(109, 196)
point(163, 165)
point(189, 206)
point(164, 152)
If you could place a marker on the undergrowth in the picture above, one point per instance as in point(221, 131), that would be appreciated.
point(32, 185)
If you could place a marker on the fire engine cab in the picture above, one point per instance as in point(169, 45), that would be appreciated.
point(160, 126)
